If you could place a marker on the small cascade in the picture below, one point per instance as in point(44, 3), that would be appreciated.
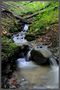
point(28, 55)
point(31, 70)
point(25, 28)
point(19, 39)
point(53, 74)
point(53, 61)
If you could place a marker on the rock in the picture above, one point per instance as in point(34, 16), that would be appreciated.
point(8, 35)
point(38, 58)
point(43, 49)
point(4, 82)
point(12, 82)
point(25, 49)
point(4, 32)
point(30, 37)
point(21, 55)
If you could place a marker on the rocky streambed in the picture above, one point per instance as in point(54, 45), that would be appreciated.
point(34, 69)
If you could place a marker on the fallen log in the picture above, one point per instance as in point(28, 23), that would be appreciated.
point(22, 18)
point(10, 14)
point(36, 13)
point(25, 19)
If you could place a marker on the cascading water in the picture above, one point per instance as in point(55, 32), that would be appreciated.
point(32, 71)
point(23, 64)
point(19, 39)
point(53, 61)
point(53, 75)
point(25, 28)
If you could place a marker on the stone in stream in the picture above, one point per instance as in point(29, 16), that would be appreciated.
point(40, 55)
point(25, 49)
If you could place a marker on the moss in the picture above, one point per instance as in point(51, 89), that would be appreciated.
point(9, 54)
point(8, 47)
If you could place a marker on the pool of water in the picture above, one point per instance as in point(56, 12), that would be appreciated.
point(39, 75)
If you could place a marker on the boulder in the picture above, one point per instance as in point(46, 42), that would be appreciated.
point(25, 49)
point(38, 58)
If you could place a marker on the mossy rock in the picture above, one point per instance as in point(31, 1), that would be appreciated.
point(9, 54)
point(25, 49)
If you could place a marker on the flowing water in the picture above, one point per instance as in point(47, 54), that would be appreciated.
point(35, 74)
point(19, 39)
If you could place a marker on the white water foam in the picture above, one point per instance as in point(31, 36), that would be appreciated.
point(23, 64)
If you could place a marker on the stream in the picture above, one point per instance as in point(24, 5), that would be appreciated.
point(36, 75)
